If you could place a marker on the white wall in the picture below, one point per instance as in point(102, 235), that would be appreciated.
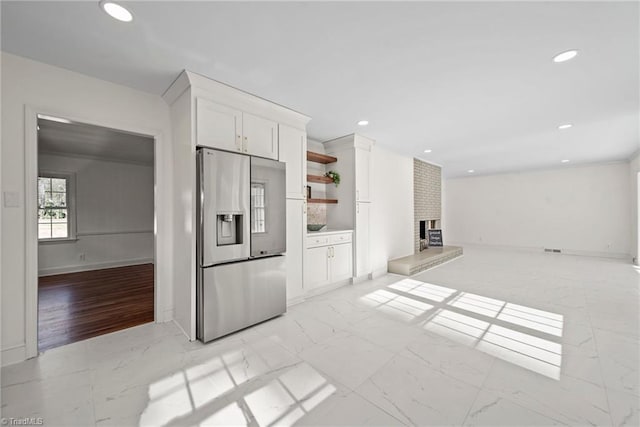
point(583, 210)
point(392, 208)
point(86, 99)
point(114, 215)
point(634, 170)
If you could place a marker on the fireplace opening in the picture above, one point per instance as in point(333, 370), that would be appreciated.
point(425, 225)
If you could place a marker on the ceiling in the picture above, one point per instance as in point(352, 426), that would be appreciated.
point(96, 142)
point(472, 81)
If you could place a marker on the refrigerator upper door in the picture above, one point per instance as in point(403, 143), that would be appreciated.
point(223, 208)
point(268, 207)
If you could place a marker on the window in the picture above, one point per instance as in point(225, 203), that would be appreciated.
point(258, 214)
point(54, 207)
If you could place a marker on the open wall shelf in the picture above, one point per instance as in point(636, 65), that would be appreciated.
point(320, 158)
point(319, 179)
point(327, 201)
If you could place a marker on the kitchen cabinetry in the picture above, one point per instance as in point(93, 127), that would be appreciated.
point(296, 235)
point(223, 127)
point(259, 136)
point(329, 259)
point(293, 150)
point(363, 174)
point(354, 195)
point(362, 235)
point(218, 126)
point(208, 113)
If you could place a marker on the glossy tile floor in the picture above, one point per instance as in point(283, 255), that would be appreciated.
point(493, 338)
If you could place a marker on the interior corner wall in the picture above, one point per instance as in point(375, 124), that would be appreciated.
point(29, 83)
point(582, 210)
point(392, 208)
point(634, 171)
point(114, 215)
point(427, 196)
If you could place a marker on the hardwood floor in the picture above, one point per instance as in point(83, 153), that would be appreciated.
point(77, 306)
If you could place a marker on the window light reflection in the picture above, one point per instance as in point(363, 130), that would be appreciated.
point(483, 323)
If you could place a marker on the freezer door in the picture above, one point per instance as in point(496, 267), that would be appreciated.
point(268, 207)
point(237, 295)
point(223, 207)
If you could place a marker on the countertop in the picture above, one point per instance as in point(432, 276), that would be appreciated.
point(327, 231)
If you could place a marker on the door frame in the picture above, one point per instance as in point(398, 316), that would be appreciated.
point(31, 211)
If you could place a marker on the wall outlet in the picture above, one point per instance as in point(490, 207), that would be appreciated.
point(82, 257)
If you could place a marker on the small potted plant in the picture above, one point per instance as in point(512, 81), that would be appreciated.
point(335, 177)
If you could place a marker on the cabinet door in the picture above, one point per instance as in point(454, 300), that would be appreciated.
point(260, 136)
point(316, 267)
point(363, 175)
point(218, 126)
point(296, 226)
point(292, 147)
point(361, 249)
point(341, 262)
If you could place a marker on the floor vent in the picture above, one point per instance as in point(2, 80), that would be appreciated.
point(555, 251)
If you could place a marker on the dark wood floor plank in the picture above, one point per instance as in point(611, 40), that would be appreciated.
point(77, 306)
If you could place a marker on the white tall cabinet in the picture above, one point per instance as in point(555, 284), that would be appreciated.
point(208, 113)
point(293, 151)
point(354, 195)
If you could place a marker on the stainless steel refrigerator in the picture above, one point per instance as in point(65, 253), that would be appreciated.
point(241, 238)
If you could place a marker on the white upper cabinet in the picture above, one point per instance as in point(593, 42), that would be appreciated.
point(218, 126)
point(293, 151)
point(363, 175)
point(259, 136)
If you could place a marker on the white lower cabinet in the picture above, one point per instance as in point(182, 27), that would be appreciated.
point(329, 263)
point(317, 267)
point(341, 266)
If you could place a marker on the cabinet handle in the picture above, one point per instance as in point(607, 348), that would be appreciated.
point(304, 207)
point(328, 252)
point(246, 142)
point(239, 143)
point(357, 207)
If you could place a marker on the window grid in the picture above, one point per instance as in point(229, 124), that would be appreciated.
point(258, 207)
point(53, 208)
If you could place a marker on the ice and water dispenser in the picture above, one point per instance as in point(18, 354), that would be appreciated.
point(230, 227)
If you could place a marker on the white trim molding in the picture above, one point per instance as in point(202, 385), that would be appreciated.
point(162, 288)
point(95, 266)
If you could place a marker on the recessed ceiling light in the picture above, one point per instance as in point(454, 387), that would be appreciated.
point(53, 119)
point(116, 11)
point(565, 56)
point(363, 122)
point(427, 151)
point(471, 171)
point(565, 126)
point(565, 161)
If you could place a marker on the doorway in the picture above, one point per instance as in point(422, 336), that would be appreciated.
point(95, 230)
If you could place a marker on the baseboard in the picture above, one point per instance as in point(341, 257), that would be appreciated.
point(534, 249)
point(326, 288)
point(167, 315)
point(182, 329)
point(15, 354)
point(294, 301)
point(379, 272)
point(95, 266)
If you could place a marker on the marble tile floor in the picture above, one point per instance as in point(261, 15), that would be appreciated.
point(492, 338)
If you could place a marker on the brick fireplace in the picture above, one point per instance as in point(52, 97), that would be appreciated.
point(427, 198)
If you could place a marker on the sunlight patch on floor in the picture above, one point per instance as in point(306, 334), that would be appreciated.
point(478, 321)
